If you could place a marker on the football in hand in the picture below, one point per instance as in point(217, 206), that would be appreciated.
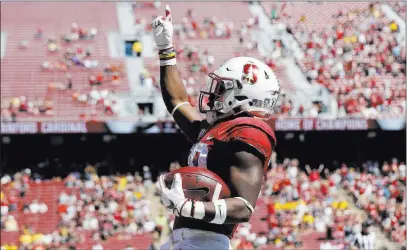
point(200, 184)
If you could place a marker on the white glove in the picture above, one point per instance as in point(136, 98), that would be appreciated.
point(163, 30)
point(174, 196)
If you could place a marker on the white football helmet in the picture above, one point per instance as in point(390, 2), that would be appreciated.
point(241, 84)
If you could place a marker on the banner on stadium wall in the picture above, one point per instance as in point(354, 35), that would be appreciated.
point(77, 127)
point(304, 124)
point(129, 127)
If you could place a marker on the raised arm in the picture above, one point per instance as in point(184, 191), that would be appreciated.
point(308, 169)
point(173, 90)
point(321, 167)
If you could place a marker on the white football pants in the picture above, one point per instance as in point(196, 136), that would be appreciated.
point(186, 239)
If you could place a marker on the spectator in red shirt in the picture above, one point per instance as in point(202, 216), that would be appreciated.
point(99, 79)
point(270, 207)
point(245, 244)
point(314, 174)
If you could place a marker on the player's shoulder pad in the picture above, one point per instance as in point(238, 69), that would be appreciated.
point(254, 133)
point(254, 125)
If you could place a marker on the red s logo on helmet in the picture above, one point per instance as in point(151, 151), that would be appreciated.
point(250, 73)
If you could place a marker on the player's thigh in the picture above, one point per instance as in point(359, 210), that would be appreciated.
point(202, 243)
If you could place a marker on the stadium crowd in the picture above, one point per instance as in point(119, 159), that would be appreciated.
point(381, 192)
point(70, 53)
point(360, 59)
point(15, 106)
point(399, 7)
point(301, 205)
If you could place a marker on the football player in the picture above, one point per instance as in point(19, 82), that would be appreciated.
point(231, 140)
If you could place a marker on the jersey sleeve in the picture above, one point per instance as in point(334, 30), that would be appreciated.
point(253, 137)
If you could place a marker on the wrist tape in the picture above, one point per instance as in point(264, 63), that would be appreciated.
point(196, 210)
point(167, 57)
point(221, 211)
point(192, 209)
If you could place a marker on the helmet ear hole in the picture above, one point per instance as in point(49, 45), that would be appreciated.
point(229, 103)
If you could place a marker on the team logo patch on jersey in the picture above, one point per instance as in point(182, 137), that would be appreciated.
point(250, 73)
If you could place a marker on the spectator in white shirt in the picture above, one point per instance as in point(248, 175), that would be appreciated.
point(63, 198)
point(42, 208)
point(4, 210)
point(97, 246)
point(47, 239)
point(5, 179)
point(10, 224)
point(113, 206)
point(34, 207)
point(402, 169)
point(261, 239)
point(292, 169)
point(149, 226)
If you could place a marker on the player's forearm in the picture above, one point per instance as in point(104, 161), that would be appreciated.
point(236, 211)
point(225, 211)
point(173, 91)
point(172, 88)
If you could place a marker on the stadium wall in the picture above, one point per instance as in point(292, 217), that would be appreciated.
point(56, 155)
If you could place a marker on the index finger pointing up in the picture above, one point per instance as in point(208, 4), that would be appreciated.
point(168, 13)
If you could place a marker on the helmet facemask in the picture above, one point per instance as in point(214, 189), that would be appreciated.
point(212, 98)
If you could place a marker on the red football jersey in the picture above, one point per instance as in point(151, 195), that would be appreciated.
point(246, 133)
point(252, 132)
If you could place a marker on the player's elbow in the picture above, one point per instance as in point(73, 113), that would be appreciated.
point(242, 214)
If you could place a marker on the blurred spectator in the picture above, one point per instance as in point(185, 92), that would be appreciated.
point(156, 235)
point(399, 7)
point(52, 45)
point(38, 207)
point(69, 81)
point(39, 33)
point(10, 224)
point(365, 239)
point(147, 177)
point(24, 44)
point(137, 48)
point(97, 246)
